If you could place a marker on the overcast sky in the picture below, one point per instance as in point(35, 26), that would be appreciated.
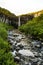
point(22, 6)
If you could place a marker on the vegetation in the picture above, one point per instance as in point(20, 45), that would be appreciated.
point(34, 27)
point(6, 15)
point(5, 55)
point(6, 12)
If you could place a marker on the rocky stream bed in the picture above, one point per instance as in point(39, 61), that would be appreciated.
point(25, 50)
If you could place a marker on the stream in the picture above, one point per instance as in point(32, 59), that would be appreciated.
point(25, 50)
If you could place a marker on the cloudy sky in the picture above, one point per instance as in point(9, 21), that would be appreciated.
point(22, 6)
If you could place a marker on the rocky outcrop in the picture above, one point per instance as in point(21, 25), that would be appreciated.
point(10, 18)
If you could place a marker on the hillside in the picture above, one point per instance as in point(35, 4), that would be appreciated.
point(6, 12)
point(33, 13)
point(7, 17)
point(9, 14)
point(27, 17)
point(34, 27)
point(10, 18)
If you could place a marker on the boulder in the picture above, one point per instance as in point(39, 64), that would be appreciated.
point(26, 53)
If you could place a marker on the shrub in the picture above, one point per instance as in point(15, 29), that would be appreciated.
point(34, 27)
point(5, 55)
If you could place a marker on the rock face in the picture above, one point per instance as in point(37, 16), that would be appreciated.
point(26, 53)
point(10, 18)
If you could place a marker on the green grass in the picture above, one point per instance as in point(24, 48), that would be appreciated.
point(34, 27)
point(5, 55)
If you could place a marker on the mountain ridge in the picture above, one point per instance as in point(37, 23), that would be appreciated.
point(3, 10)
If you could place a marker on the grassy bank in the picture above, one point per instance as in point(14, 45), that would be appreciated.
point(34, 27)
point(5, 55)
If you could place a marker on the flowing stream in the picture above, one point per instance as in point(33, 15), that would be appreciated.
point(25, 51)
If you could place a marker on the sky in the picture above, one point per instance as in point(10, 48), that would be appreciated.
point(19, 7)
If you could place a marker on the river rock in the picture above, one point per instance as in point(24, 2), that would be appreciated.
point(31, 54)
point(17, 59)
point(36, 43)
point(14, 53)
point(26, 53)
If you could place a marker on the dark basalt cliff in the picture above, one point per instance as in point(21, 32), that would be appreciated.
point(10, 18)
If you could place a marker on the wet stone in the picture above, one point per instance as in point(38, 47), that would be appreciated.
point(25, 53)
